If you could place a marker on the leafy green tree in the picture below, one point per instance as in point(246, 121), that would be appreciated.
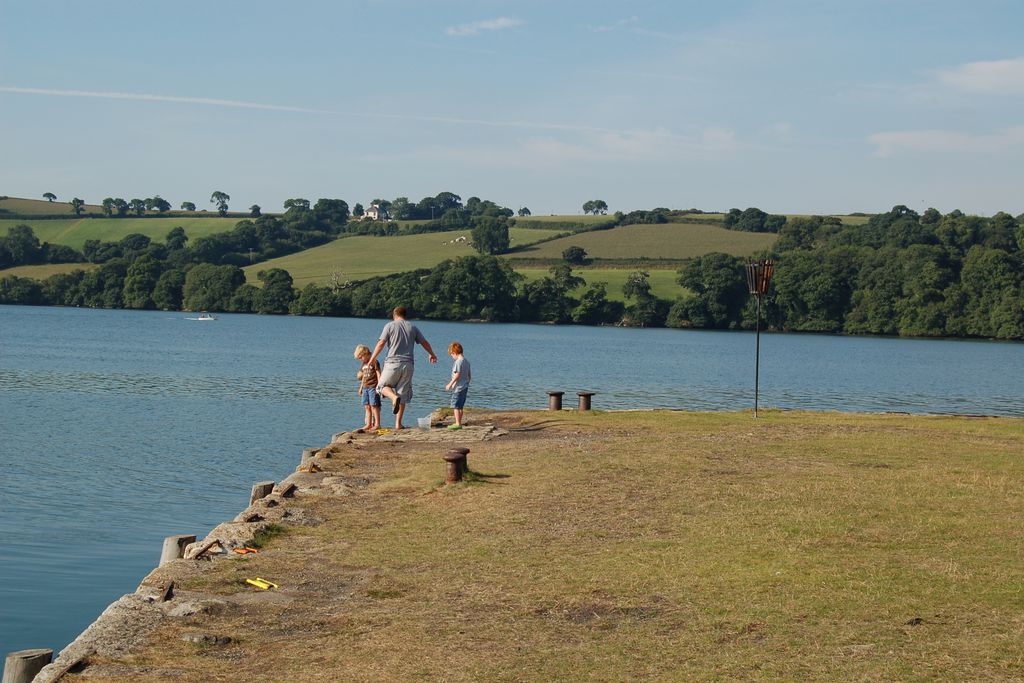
point(254, 211)
point(813, 290)
point(718, 284)
point(176, 238)
point(277, 293)
point(22, 246)
point(158, 204)
point(595, 308)
point(20, 290)
point(140, 281)
point(577, 256)
point(401, 209)
point(221, 199)
point(188, 206)
point(331, 214)
point(490, 235)
point(315, 300)
point(524, 211)
point(137, 206)
point(108, 206)
point(209, 287)
point(989, 300)
point(103, 287)
point(358, 210)
point(244, 300)
point(471, 287)
point(49, 196)
point(76, 206)
point(595, 206)
point(167, 291)
point(296, 203)
point(121, 206)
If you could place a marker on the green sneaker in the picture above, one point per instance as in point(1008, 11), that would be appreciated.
point(454, 427)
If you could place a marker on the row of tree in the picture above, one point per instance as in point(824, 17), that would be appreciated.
point(900, 273)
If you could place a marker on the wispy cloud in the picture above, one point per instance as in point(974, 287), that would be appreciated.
point(997, 77)
point(158, 98)
point(475, 27)
point(423, 118)
point(891, 143)
point(608, 28)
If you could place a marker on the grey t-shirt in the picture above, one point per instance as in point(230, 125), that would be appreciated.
point(401, 336)
point(461, 365)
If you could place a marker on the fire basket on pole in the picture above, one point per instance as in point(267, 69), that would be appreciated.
point(759, 275)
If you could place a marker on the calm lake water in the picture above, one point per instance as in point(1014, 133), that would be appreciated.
point(119, 428)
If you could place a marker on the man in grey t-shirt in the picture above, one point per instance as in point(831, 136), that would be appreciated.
point(395, 384)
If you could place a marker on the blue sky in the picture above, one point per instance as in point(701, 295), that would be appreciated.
point(792, 106)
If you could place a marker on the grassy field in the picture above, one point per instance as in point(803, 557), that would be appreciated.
point(75, 231)
point(637, 546)
point(663, 282)
point(666, 240)
point(41, 206)
point(44, 271)
point(358, 258)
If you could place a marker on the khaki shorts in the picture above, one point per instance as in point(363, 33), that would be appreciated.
point(398, 376)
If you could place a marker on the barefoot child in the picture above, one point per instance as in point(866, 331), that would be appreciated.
point(459, 385)
point(367, 376)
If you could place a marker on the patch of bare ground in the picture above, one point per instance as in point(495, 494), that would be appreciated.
point(628, 546)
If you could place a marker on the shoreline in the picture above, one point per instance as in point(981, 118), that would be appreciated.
point(129, 620)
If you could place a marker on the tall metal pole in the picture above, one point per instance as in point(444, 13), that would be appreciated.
point(759, 275)
point(757, 354)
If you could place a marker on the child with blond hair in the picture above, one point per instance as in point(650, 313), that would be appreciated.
point(369, 372)
point(459, 384)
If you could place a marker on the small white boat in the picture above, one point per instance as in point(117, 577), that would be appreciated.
point(203, 316)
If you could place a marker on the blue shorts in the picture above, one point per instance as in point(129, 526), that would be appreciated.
point(370, 397)
point(459, 397)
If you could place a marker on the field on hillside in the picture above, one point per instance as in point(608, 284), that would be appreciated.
point(41, 206)
point(663, 282)
point(359, 258)
point(75, 231)
point(665, 240)
point(41, 272)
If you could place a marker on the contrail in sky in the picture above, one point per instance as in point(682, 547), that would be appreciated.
point(305, 110)
point(157, 98)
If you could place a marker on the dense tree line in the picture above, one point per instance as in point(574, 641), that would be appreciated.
point(901, 273)
point(753, 219)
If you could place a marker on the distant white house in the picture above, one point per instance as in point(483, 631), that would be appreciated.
point(374, 213)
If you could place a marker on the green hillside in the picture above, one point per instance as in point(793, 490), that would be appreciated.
point(40, 207)
point(664, 240)
point(75, 231)
point(41, 272)
point(359, 258)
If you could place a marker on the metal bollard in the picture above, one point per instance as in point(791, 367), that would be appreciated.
point(22, 666)
point(555, 400)
point(463, 462)
point(452, 468)
point(585, 399)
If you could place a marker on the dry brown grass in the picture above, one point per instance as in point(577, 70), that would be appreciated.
point(643, 546)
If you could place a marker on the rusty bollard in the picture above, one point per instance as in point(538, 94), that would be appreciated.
point(455, 464)
point(584, 399)
point(555, 400)
point(452, 471)
point(464, 462)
